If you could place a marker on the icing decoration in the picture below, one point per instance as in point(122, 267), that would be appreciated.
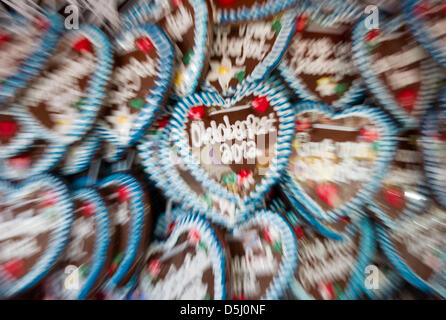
point(403, 190)
point(247, 52)
point(232, 136)
point(263, 257)
point(79, 78)
point(139, 82)
point(32, 236)
point(331, 13)
point(235, 11)
point(189, 27)
point(398, 72)
point(184, 268)
point(426, 20)
point(417, 249)
point(333, 169)
point(24, 50)
point(86, 253)
point(318, 66)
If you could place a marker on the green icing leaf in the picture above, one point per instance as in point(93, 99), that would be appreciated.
point(188, 56)
point(230, 178)
point(277, 26)
point(341, 88)
point(240, 76)
point(84, 271)
point(137, 103)
point(278, 246)
point(202, 245)
point(118, 258)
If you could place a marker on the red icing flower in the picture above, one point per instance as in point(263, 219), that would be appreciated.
point(394, 197)
point(144, 44)
point(196, 113)
point(42, 23)
point(14, 268)
point(49, 199)
point(260, 104)
point(329, 193)
point(162, 123)
point(193, 236)
point(302, 125)
point(227, 3)
point(300, 232)
point(345, 220)
point(267, 235)
point(8, 129)
point(20, 162)
point(369, 135)
point(239, 297)
point(88, 209)
point(123, 194)
point(326, 290)
point(171, 227)
point(408, 99)
point(177, 3)
point(372, 34)
point(301, 22)
point(154, 267)
point(83, 45)
point(4, 38)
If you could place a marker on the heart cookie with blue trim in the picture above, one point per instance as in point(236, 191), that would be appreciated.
point(64, 102)
point(139, 84)
point(189, 26)
point(35, 223)
point(338, 159)
point(400, 74)
point(245, 53)
point(25, 46)
point(236, 148)
point(426, 20)
point(189, 265)
point(83, 267)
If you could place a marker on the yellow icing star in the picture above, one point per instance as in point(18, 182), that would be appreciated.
point(179, 78)
point(122, 120)
point(324, 81)
point(223, 70)
point(62, 122)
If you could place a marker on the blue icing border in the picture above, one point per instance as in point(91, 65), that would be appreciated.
point(57, 242)
point(32, 65)
point(144, 11)
point(256, 12)
point(137, 208)
point(267, 65)
point(418, 28)
point(51, 157)
point(95, 91)
point(83, 156)
point(277, 99)
point(355, 287)
point(344, 11)
point(387, 145)
point(157, 94)
point(430, 75)
point(216, 252)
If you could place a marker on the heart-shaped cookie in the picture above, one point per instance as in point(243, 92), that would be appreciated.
point(131, 220)
point(338, 159)
point(189, 265)
point(403, 189)
point(235, 11)
point(426, 19)
point(417, 249)
point(15, 136)
point(263, 257)
point(83, 266)
point(245, 53)
point(25, 46)
point(139, 83)
point(189, 28)
point(35, 223)
point(63, 103)
point(40, 157)
point(329, 269)
point(399, 73)
point(433, 142)
point(236, 148)
point(318, 65)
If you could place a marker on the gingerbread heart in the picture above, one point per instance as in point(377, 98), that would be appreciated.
point(399, 73)
point(403, 189)
point(236, 148)
point(189, 26)
point(263, 257)
point(189, 265)
point(338, 159)
point(35, 223)
point(25, 46)
point(245, 53)
point(318, 65)
point(235, 11)
point(84, 264)
point(64, 102)
point(425, 19)
point(139, 84)
point(433, 143)
point(417, 249)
